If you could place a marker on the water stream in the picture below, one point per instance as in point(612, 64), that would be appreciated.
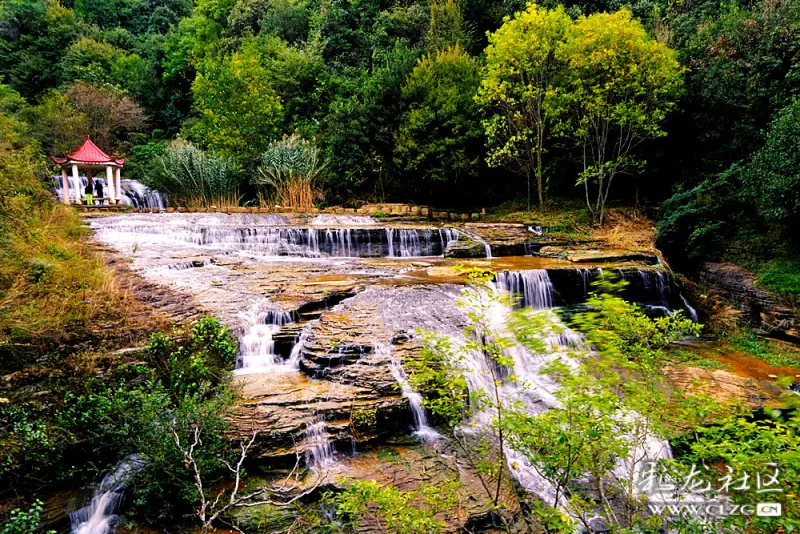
point(257, 346)
point(162, 244)
point(98, 517)
point(415, 402)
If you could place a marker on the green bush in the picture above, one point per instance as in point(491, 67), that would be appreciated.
point(191, 365)
point(137, 410)
point(192, 177)
point(24, 521)
point(782, 277)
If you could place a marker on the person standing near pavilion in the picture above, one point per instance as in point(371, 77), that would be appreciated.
point(89, 190)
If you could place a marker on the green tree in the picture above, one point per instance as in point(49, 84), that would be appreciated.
point(619, 86)
point(446, 27)
point(772, 178)
point(397, 512)
point(239, 110)
point(520, 78)
point(439, 139)
point(35, 35)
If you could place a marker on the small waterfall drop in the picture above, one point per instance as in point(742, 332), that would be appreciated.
point(294, 356)
point(98, 517)
point(319, 449)
point(257, 346)
point(533, 285)
point(691, 311)
point(415, 403)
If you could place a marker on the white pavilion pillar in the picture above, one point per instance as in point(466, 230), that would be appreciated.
point(64, 186)
point(110, 184)
point(76, 181)
point(118, 185)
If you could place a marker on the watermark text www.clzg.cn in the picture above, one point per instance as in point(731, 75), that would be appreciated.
point(706, 492)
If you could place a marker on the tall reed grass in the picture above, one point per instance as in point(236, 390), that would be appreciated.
point(191, 177)
point(289, 172)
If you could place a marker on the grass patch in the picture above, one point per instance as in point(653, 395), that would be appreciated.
point(388, 455)
point(687, 357)
point(781, 277)
point(763, 349)
point(565, 218)
point(51, 285)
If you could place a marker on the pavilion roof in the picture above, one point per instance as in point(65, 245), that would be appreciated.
point(88, 154)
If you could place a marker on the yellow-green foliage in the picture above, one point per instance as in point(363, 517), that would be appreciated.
point(49, 282)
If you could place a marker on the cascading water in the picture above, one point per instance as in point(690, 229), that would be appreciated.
point(270, 236)
point(319, 449)
point(257, 346)
point(691, 311)
point(527, 368)
point(415, 403)
point(406, 243)
point(533, 286)
point(98, 517)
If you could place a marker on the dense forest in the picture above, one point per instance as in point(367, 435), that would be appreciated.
point(563, 117)
point(420, 102)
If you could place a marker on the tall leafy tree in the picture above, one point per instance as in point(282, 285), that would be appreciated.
point(619, 86)
point(517, 88)
point(772, 178)
point(439, 139)
point(447, 26)
point(239, 110)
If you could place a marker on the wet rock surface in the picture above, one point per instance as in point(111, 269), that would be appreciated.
point(465, 248)
point(738, 287)
point(336, 328)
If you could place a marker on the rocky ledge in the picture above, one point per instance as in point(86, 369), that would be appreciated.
point(768, 312)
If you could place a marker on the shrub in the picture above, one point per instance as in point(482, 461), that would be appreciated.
point(24, 521)
point(288, 172)
point(192, 177)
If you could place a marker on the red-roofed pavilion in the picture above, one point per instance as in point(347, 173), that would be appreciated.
point(90, 157)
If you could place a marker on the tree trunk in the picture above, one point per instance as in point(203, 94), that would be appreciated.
point(529, 190)
point(539, 177)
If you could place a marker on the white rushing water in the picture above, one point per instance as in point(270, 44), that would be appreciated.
point(533, 286)
point(98, 517)
point(415, 402)
point(257, 346)
point(319, 449)
point(270, 235)
point(537, 291)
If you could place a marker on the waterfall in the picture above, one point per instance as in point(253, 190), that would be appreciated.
point(586, 276)
point(415, 403)
point(135, 193)
point(691, 311)
point(294, 356)
point(270, 236)
point(257, 346)
point(533, 285)
point(319, 449)
point(534, 389)
point(98, 516)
